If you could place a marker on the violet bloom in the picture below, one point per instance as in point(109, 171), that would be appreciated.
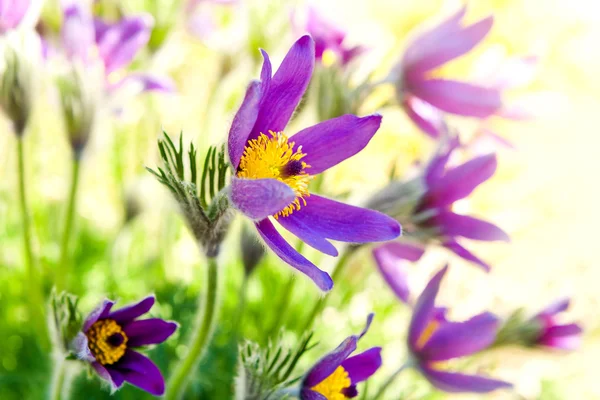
point(114, 45)
point(12, 13)
point(272, 172)
point(336, 375)
point(443, 187)
point(329, 39)
point(393, 260)
point(554, 334)
point(108, 340)
point(432, 340)
point(425, 98)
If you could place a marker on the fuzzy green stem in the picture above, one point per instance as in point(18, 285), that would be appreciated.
point(337, 272)
point(390, 380)
point(59, 381)
point(206, 317)
point(241, 306)
point(63, 270)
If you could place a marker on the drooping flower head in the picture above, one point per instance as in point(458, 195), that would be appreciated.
point(90, 40)
point(108, 340)
point(432, 339)
point(336, 375)
point(425, 98)
point(273, 170)
point(552, 333)
point(329, 39)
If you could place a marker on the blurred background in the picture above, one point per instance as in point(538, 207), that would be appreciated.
point(130, 239)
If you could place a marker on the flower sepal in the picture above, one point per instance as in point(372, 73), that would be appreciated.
point(65, 322)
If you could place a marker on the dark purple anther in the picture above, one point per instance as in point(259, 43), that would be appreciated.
point(292, 168)
point(115, 340)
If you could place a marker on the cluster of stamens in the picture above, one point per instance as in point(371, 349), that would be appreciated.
point(274, 157)
point(334, 385)
point(107, 341)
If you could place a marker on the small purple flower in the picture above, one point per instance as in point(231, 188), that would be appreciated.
point(115, 45)
point(272, 172)
point(443, 187)
point(393, 259)
point(329, 39)
point(336, 375)
point(432, 340)
point(108, 338)
point(425, 98)
point(554, 334)
point(12, 13)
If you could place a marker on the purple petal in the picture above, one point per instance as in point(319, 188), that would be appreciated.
point(346, 223)
point(12, 13)
point(148, 83)
point(287, 253)
point(307, 394)
point(451, 224)
point(129, 313)
point(328, 364)
point(114, 377)
point(460, 251)
point(458, 97)
point(460, 181)
point(457, 339)
point(428, 118)
point(260, 198)
point(287, 88)
point(119, 43)
point(77, 32)
point(565, 337)
point(333, 141)
point(393, 260)
point(140, 371)
point(148, 331)
point(424, 309)
point(443, 45)
point(436, 168)
point(80, 346)
point(556, 307)
point(100, 312)
point(456, 383)
point(243, 122)
point(362, 366)
point(308, 235)
point(367, 325)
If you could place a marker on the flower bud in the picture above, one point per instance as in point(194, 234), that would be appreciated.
point(252, 250)
point(65, 321)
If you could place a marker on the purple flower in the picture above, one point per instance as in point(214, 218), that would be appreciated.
point(115, 45)
point(444, 186)
point(432, 340)
point(108, 338)
point(393, 259)
point(554, 334)
point(12, 13)
point(425, 98)
point(329, 39)
point(272, 172)
point(336, 375)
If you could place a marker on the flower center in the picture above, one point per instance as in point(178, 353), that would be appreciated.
point(334, 385)
point(274, 157)
point(428, 332)
point(107, 341)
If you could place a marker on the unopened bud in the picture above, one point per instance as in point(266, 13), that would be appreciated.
point(252, 250)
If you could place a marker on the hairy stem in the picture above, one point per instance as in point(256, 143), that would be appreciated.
point(206, 317)
point(63, 270)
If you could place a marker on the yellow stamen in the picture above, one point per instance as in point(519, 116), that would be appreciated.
point(428, 332)
point(271, 157)
point(107, 341)
point(333, 386)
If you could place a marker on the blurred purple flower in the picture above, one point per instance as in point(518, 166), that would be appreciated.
point(272, 173)
point(554, 334)
point(393, 259)
point(108, 338)
point(329, 38)
point(432, 340)
point(425, 98)
point(115, 45)
point(12, 13)
point(445, 186)
point(336, 375)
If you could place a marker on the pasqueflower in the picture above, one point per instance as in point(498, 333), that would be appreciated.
point(108, 338)
point(273, 170)
point(336, 375)
point(552, 333)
